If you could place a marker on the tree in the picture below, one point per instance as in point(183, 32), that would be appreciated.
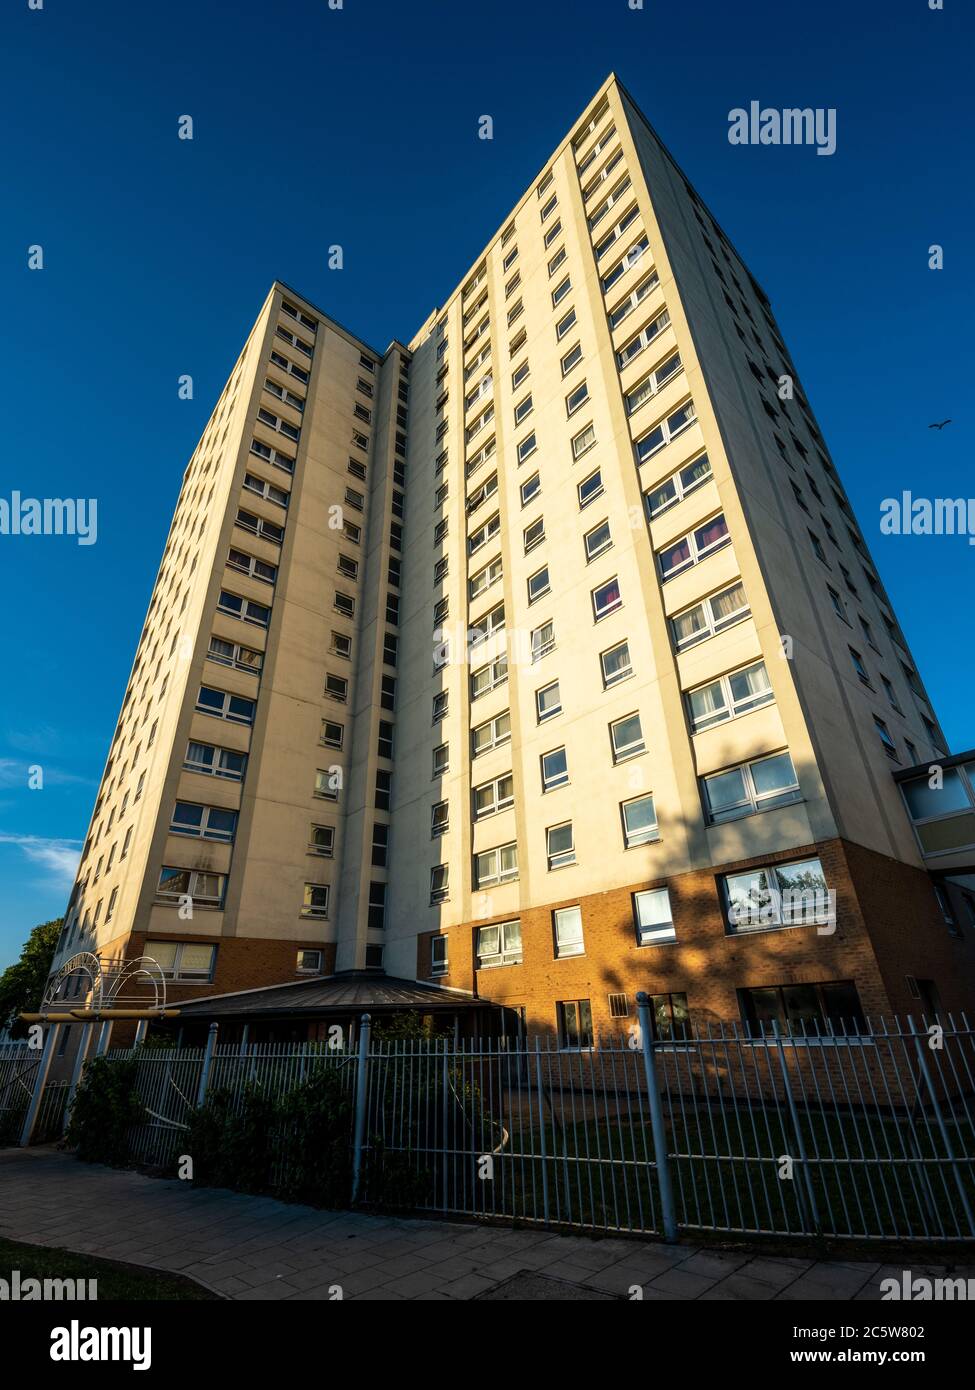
point(22, 984)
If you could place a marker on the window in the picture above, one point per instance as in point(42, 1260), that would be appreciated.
point(380, 844)
point(804, 1009)
point(439, 818)
point(575, 1023)
point(639, 821)
point(597, 540)
point(344, 604)
point(384, 786)
point(534, 534)
point(710, 616)
point(489, 676)
point(348, 566)
point(653, 918)
point(337, 688)
point(341, 644)
point(322, 841)
point(576, 398)
point(669, 1017)
point(523, 409)
point(568, 932)
point(889, 746)
point(331, 734)
point(652, 383)
point(184, 960)
point(583, 441)
point(259, 526)
point(527, 447)
point(729, 696)
point(214, 761)
point(678, 485)
point(315, 903)
point(220, 703)
point(327, 784)
point(376, 911)
point(530, 489)
point(564, 324)
point(751, 787)
point(439, 892)
point(499, 944)
point(441, 759)
point(666, 431)
point(859, 667)
point(543, 640)
point(440, 705)
point(780, 895)
point(538, 584)
point(632, 257)
point(555, 770)
point(519, 375)
point(438, 944)
point(496, 795)
point(644, 338)
point(553, 232)
point(491, 734)
point(606, 599)
point(484, 578)
point(308, 962)
point(498, 865)
point(560, 846)
point(891, 694)
point(264, 489)
point(589, 489)
point(817, 546)
point(694, 548)
point(625, 307)
point(548, 701)
point(571, 359)
point(244, 608)
point(616, 664)
point(484, 534)
point(626, 738)
point(385, 739)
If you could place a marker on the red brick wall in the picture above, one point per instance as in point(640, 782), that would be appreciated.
point(888, 925)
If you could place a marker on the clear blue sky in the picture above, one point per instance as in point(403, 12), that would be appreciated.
point(358, 126)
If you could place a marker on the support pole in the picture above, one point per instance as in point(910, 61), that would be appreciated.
point(87, 1032)
point(668, 1207)
point(104, 1037)
point(201, 1093)
point(361, 1103)
point(141, 1029)
point(40, 1080)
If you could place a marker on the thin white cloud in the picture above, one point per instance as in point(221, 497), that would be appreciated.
point(58, 857)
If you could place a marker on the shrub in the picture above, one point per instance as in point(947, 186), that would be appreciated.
point(106, 1106)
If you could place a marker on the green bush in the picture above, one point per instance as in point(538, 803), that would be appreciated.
point(295, 1146)
point(106, 1106)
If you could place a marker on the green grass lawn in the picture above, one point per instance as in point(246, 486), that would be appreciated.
point(126, 1283)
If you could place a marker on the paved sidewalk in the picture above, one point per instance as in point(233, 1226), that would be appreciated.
point(257, 1248)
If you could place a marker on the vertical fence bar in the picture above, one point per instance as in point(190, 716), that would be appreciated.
point(361, 1102)
point(668, 1208)
point(942, 1127)
point(40, 1081)
point(201, 1093)
point(541, 1128)
point(794, 1117)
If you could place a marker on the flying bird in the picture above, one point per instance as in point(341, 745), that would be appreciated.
point(941, 426)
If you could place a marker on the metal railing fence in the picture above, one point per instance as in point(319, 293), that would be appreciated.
point(866, 1134)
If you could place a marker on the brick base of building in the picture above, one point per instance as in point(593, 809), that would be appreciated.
point(889, 932)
